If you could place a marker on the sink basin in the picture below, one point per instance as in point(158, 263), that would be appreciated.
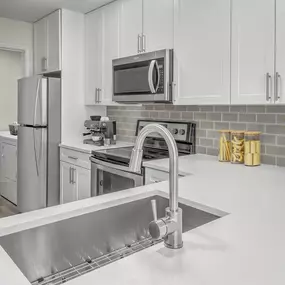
point(57, 252)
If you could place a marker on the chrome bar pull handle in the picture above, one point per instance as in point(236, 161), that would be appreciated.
point(154, 209)
point(268, 79)
point(139, 43)
point(70, 175)
point(277, 89)
point(143, 43)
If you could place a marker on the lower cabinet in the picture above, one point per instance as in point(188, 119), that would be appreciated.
point(156, 176)
point(8, 171)
point(75, 182)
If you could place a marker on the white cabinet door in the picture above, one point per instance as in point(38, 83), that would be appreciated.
point(83, 182)
point(110, 50)
point(8, 175)
point(280, 52)
point(252, 51)
point(40, 46)
point(54, 41)
point(93, 55)
point(9, 161)
point(202, 51)
point(130, 27)
point(68, 189)
point(158, 24)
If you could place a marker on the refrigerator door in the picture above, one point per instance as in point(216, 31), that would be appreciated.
point(32, 168)
point(32, 101)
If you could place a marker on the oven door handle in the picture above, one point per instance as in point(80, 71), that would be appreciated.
point(153, 65)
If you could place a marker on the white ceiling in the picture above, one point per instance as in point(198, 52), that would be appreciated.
point(32, 10)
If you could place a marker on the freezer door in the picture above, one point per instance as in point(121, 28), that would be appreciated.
point(32, 168)
point(32, 101)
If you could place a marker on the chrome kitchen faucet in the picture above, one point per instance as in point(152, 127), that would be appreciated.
point(170, 227)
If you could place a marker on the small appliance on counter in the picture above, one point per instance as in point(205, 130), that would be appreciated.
point(13, 128)
point(102, 132)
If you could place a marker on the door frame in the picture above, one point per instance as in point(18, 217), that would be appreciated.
point(25, 54)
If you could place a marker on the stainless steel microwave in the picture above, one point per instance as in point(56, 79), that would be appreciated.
point(146, 77)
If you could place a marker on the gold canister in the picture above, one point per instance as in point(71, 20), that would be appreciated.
point(225, 146)
point(252, 148)
point(237, 147)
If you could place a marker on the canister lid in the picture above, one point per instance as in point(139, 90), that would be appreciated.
point(252, 133)
point(224, 131)
point(237, 132)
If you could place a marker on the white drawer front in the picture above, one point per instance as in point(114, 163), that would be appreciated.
point(75, 157)
point(156, 176)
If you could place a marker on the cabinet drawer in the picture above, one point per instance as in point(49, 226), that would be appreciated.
point(155, 176)
point(75, 157)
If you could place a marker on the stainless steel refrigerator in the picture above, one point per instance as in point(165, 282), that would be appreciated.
point(39, 135)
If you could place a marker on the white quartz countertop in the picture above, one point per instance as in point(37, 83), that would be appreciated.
point(87, 148)
point(244, 247)
point(7, 135)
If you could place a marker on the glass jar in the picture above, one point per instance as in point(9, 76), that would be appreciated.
point(252, 148)
point(225, 146)
point(237, 147)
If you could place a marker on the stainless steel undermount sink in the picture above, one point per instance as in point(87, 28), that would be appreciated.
point(60, 251)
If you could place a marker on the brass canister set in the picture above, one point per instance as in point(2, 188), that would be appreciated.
point(240, 147)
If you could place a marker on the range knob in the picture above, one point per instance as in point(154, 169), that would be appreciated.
point(182, 132)
point(175, 131)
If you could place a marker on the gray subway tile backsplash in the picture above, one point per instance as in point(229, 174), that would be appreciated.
point(270, 120)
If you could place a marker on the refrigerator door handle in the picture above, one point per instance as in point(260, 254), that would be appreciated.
point(35, 152)
point(36, 102)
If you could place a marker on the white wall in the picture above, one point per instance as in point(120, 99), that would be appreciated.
point(18, 35)
point(74, 112)
point(10, 71)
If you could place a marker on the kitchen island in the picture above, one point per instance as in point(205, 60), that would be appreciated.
point(245, 246)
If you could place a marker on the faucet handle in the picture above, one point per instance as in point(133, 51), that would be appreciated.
point(154, 209)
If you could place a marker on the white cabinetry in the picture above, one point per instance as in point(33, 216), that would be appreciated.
point(156, 176)
point(253, 51)
point(202, 51)
point(47, 43)
point(280, 52)
point(68, 191)
point(145, 25)
point(8, 170)
point(102, 46)
point(158, 24)
point(93, 56)
point(131, 27)
point(75, 176)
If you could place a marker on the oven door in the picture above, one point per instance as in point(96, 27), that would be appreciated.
point(106, 179)
point(143, 78)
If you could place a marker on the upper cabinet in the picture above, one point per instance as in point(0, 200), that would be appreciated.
point(158, 24)
point(47, 44)
point(131, 27)
point(101, 46)
point(145, 26)
point(93, 56)
point(253, 28)
point(202, 51)
point(279, 93)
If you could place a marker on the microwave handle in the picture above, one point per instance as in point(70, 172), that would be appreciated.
point(150, 79)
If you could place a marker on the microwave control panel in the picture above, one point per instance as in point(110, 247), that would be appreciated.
point(160, 89)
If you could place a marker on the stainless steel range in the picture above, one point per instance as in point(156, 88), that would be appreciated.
point(110, 171)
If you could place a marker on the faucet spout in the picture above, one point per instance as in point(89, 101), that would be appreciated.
point(171, 225)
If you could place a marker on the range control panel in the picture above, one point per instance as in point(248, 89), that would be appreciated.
point(179, 130)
